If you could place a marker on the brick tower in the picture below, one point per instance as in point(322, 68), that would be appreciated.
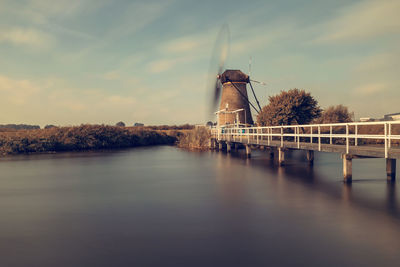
point(232, 100)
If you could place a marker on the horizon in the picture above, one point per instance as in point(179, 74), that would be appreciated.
point(101, 62)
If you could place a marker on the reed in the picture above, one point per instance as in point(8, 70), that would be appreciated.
point(77, 138)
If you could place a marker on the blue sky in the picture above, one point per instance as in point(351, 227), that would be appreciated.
point(69, 62)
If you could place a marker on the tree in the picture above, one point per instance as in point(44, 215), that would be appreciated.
point(49, 126)
point(289, 107)
point(335, 114)
point(120, 124)
point(209, 124)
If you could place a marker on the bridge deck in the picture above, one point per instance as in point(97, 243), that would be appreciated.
point(363, 151)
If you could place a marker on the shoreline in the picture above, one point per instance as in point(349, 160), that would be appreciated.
point(80, 138)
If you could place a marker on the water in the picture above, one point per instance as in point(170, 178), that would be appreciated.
point(162, 206)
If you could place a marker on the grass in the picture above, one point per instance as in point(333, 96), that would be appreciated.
point(197, 138)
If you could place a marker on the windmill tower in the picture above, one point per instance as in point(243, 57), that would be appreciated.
point(234, 105)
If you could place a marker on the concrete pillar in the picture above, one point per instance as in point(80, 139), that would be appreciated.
point(281, 156)
point(271, 153)
point(310, 157)
point(220, 145)
point(228, 147)
point(391, 169)
point(347, 168)
point(212, 143)
point(248, 150)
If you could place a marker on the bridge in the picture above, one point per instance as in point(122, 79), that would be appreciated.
point(354, 140)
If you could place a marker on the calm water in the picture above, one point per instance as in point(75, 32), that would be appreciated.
point(162, 206)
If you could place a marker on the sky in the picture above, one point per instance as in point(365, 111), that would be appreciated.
point(68, 62)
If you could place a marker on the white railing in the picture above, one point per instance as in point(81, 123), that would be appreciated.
point(349, 132)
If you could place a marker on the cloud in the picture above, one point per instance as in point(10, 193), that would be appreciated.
point(182, 46)
point(112, 76)
point(161, 65)
point(25, 36)
point(185, 44)
point(363, 20)
point(383, 62)
point(370, 89)
point(16, 92)
point(120, 100)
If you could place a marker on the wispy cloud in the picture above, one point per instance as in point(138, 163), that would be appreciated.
point(161, 65)
point(167, 64)
point(17, 92)
point(25, 36)
point(187, 44)
point(366, 19)
point(370, 89)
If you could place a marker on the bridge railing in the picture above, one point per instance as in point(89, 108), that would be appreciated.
point(385, 133)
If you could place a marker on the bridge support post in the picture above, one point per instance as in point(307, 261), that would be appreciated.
point(228, 147)
point(220, 146)
point(271, 152)
point(347, 168)
point(248, 150)
point(236, 146)
point(310, 157)
point(391, 169)
point(212, 143)
point(281, 156)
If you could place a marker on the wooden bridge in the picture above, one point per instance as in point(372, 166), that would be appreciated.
point(352, 140)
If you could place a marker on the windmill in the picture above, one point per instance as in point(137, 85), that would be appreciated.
point(234, 104)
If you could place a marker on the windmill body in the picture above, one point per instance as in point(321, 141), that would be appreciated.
point(234, 97)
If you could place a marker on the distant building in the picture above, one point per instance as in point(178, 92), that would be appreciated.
point(392, 117)
point(366, 119)
point(138, 124)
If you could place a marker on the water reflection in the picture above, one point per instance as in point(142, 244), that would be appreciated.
point(374, 193)
point(168, 207)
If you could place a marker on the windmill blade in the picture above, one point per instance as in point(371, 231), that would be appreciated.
point(217, 65)
point(261, 83)
point(217, 93)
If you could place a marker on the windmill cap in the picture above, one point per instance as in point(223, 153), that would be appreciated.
point(234, 76)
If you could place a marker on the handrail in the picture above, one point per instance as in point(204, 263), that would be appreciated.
point(228, 132)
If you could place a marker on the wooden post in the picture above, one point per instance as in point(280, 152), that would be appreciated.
point(310, 157)
point(356, 133)
point(347, 168)
point(391, 169)
point(248, 150)
point(281, 156)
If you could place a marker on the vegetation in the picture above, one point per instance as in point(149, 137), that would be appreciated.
point(19, 126)
point(49, 126)
point(335, 114)
point(197, 138)
point(84, 137)
point(171, 127)
point(289, 107)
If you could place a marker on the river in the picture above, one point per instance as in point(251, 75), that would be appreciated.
point(163, 206)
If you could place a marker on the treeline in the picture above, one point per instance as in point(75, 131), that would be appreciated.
point(84, 137)
point(19, 126)
point(170, 127)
